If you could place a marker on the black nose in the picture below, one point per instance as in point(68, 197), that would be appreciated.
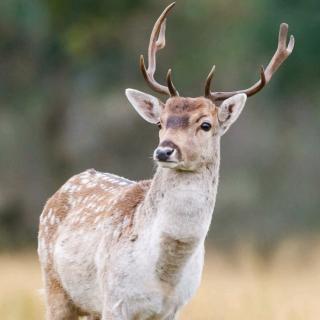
point(163, 153)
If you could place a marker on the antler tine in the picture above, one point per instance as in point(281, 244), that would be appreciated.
point(208, 82)
point(173, 91)
point(157, 42)
point(281, 54)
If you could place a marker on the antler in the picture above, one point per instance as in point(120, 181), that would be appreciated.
point(281, 54)
point(157, 42)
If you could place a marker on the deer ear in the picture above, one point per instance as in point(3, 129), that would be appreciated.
point(230, 110)
point(148, 107)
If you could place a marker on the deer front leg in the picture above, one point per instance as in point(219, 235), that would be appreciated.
point(112, 311)
point(93, 318)
point(122, 310)
point(58, 304)
point(171, 316)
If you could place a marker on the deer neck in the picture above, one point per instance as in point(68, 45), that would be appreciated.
point(182, 202)
point(179, 206)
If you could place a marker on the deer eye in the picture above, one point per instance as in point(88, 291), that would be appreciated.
point(159, 125)
point(205, 126)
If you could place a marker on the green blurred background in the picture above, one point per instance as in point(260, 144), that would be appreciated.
point(64, 66)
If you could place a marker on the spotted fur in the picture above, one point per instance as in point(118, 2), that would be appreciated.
point(115, 249)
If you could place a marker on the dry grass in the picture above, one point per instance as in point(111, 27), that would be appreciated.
point(287, 287)
point(20, 281)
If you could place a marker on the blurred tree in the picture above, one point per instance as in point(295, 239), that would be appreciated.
point(64, 66)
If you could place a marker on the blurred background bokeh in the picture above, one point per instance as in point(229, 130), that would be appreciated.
point(64, 66)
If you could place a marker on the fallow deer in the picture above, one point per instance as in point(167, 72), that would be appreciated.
point(115, 249)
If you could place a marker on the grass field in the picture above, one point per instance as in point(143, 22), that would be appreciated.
point(240, 286)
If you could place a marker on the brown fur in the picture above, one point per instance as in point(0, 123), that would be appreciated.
point(174, 254)
point(66, 200)
point(180, 113)
point(73, 202)
point(127, 205)
point(61, 305)
point(77, 202)
point(181, 105)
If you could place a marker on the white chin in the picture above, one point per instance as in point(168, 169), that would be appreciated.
point(164, 164)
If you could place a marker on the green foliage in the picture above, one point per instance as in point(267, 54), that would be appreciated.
point(65, 64)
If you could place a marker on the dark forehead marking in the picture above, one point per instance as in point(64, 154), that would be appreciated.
point(175, 122)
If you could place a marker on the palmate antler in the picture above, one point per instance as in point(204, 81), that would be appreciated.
point(157, 42)
point(281, 54)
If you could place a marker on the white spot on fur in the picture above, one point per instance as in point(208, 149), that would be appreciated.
point(85, 199)
point(52, 220)
point(49, 213)
point(83, 219)
point(91, 184)
point(44, 220)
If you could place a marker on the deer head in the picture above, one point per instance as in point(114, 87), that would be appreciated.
point(190, 128)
